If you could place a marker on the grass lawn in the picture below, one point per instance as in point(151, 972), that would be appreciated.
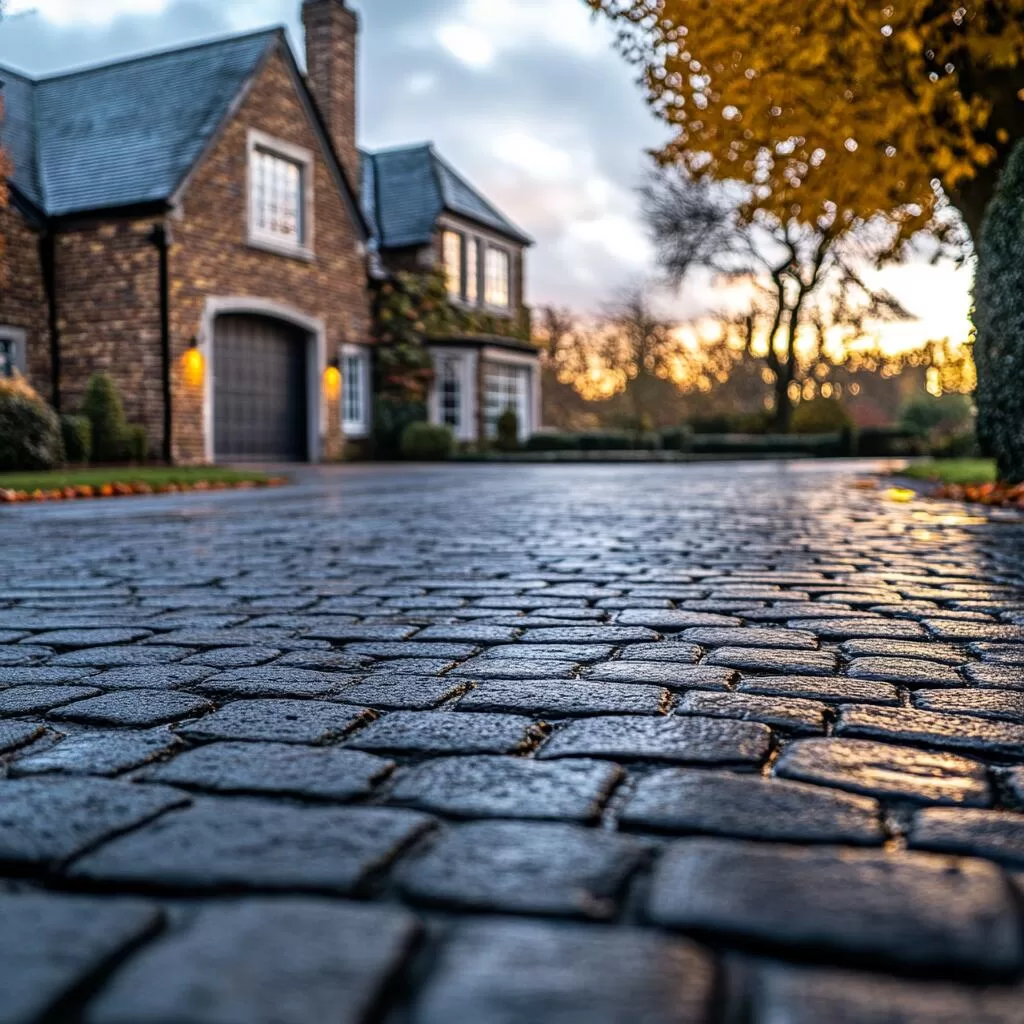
point(154, 476)
point(962, 472)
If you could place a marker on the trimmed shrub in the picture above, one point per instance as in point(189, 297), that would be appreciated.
point(957, 446)
point(738, 423)
point(136, 444)
point(617, 441)
point(391, 417)
point(553, 443)
point(677, 439)
point(887, 442)
point(77, 434)
point(425, 442)
point(103, 407)
point(949, 413)
point(30, 435)
point(719, 424)
point(999, 322)
point(820, 416)
point(508, 431)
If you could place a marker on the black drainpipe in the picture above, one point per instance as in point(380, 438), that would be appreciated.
point(161, 238)
point(48, 259)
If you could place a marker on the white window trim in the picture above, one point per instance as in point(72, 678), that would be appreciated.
point(485, 240)
point(491, 307)
point(316, 363)
point(467, 361)
point(533, 399)
point(352, 428)
point(19, 336)
point(258, 140)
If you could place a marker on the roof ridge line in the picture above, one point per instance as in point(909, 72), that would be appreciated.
point(408, 147)
point(148, 55)
point(494, 210)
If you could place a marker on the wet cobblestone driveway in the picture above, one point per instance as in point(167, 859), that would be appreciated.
point(535, 745)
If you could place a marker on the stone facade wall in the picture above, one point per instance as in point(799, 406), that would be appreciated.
point(108, 314)
point(23, 298)
point(211, 254)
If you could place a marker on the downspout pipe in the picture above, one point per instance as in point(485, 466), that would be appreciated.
point(48, 259)
point(161, 238)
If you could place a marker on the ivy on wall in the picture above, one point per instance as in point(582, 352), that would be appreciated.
point(411, 309)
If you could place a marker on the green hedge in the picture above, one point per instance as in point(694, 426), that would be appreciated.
point(425, 442)
point(999, 321)
point(391, 417)
point(872, 442)
point(888, 442)
point(77, 434)
point(30, 434)
point(103, 407)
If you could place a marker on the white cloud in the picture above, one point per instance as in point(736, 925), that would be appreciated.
point(467, 44)
point(95, 12)
point(526, 152)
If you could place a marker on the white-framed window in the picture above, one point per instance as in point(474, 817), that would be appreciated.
point(355, 391)
point(280, 196)
point(12, 351)
point(472, 293)
point(506, 387)
point(452, 245)
point(449, 392)
point(497, 277)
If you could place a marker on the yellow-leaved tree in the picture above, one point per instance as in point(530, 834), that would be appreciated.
point(844, 109)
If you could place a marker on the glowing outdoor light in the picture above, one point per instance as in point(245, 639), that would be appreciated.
point(193, 363)
point(332, 380)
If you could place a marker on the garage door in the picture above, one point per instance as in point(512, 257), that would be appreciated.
point(259, 390)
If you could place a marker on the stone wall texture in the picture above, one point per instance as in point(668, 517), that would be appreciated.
point(211, 255)
point(22, 297)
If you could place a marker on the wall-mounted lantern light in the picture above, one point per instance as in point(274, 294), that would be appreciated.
point(193, 364)
point(332, 380)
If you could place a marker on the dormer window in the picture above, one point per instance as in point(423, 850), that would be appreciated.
point(280, 196)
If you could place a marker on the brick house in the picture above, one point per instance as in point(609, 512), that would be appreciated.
point(424, 216)
point(190, 223)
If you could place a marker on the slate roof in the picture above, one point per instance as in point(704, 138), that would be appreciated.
point(406, 189)
point(124, 133)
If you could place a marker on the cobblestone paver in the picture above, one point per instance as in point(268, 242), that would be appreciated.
point(513, 745)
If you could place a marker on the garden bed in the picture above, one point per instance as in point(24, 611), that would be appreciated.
point(124, 481)
point(971, 480)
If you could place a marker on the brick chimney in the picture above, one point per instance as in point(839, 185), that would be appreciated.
point(332, 50)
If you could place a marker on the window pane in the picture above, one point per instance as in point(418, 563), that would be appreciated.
point(472, 271)
point(496, 284)
point(453, 263)
point(354, 391)
point(450, 391)
point(506, 387)
point(277, 197)
point(6, 357)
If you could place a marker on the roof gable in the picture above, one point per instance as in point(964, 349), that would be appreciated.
point(126, 133)
point(405, 190)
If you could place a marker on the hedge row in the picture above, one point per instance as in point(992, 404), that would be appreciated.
point(875, 442)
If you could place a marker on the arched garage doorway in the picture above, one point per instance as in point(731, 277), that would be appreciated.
point(260, 399)
point(263, 394)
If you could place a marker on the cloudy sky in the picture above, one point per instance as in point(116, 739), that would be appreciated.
point(525, 97)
